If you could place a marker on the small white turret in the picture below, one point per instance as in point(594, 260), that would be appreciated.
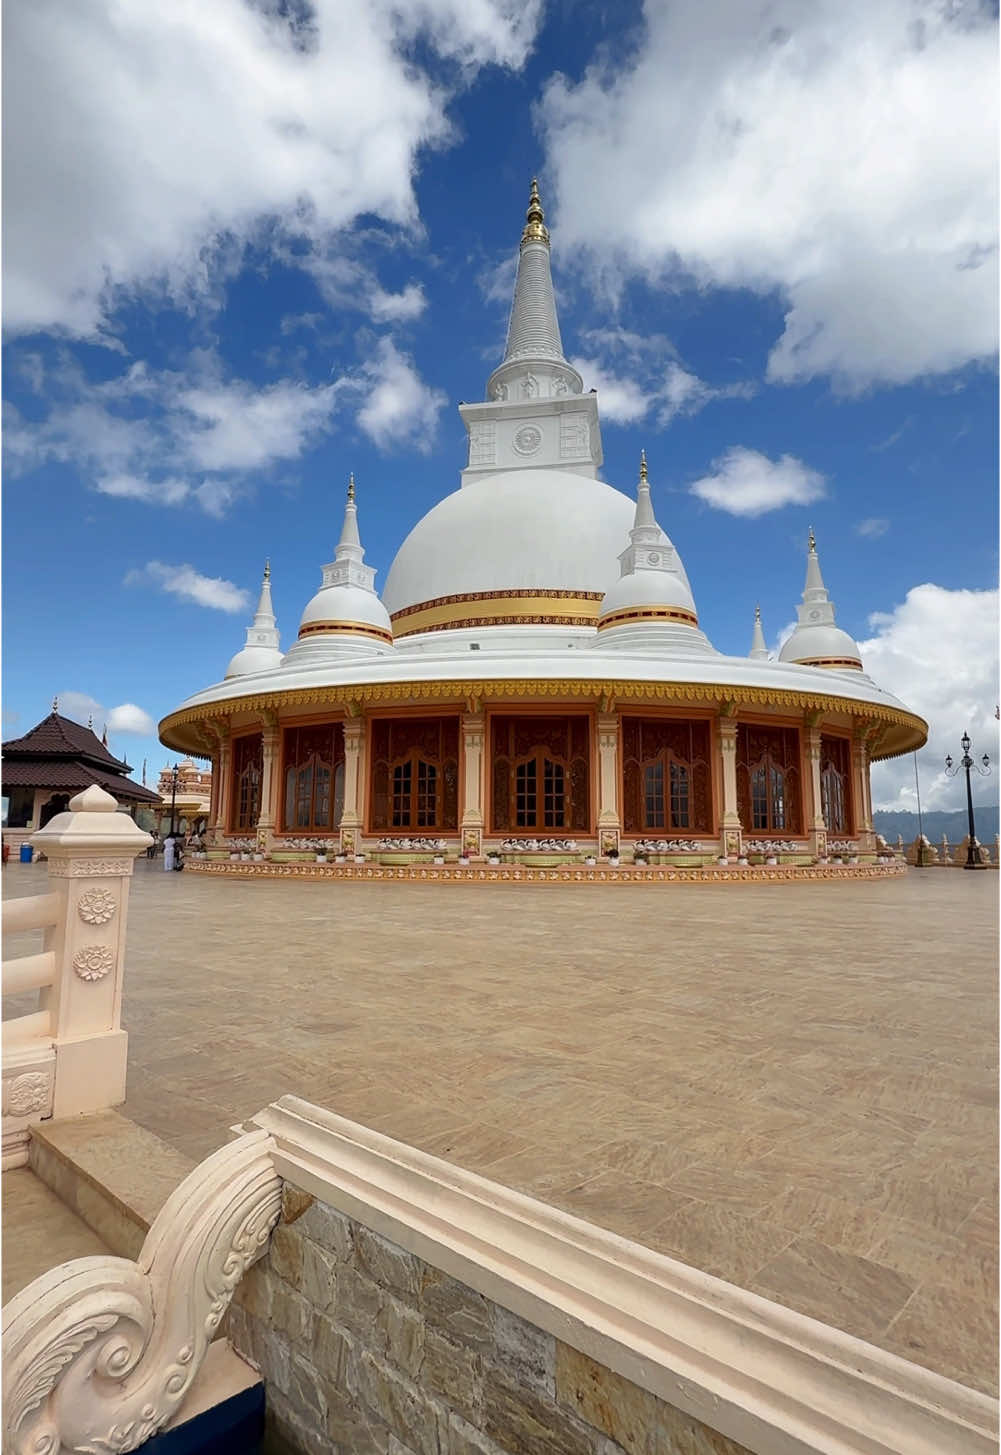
point(262, 652)
point(346, 614)
point(758, 652)
point(817, 641)
point(652, 594)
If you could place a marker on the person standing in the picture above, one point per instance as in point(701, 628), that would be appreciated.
point(168, 852)
point(152, 848)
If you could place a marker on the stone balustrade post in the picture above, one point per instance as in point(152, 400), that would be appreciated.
point(471, 825)
point(354, 771)
point(731, 828)
point(90, 850)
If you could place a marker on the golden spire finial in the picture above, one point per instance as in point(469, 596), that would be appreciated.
point(351, 488)
point(642, 464)
point(267, 569)
point(757, 613)
point(535, 219)
point(813, 540)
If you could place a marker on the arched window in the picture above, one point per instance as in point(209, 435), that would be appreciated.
point(835, 798)
point(247, 770)
point(768, 778)
point(415, 775)
point(665, 776)
point(312, 758)
point(540, 775)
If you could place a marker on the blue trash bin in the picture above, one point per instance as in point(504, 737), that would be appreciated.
point(27, 853)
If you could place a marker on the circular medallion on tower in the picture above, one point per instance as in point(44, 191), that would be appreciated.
point(528, 439)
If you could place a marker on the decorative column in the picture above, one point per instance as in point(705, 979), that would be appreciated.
point(221, 761)
point(354, 780)
point(270, 745)
point(609, 815)
point(90, 850)
point(730, 825)
point(815, 808)
point(860, 789)
point(473, 733)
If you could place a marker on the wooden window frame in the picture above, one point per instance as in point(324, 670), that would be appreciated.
point(300, 764)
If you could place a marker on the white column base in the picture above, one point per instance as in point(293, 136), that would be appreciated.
point(90, 1073)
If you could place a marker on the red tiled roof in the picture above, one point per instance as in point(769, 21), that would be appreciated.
point(68, 774)
point(61, 737)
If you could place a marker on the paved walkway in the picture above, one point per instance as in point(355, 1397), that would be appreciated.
point(790, 1086)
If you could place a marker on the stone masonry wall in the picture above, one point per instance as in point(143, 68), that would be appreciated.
point(367, 1350)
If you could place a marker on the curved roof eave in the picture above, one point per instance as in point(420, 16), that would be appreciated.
point(604, 668)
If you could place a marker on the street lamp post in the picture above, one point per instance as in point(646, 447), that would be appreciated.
point(973, 860)
point(173, 796)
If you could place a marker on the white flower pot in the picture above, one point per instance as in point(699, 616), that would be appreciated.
point(359, 858)
point(463, 860)
point(742, 861)
point(590, 862)
point(722, 859)
point(493, 860)
point(613, 863)
point(438, 859)
point(234, 856)
point(321, 858)
point(771, 859)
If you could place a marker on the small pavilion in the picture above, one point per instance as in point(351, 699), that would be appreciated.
point(55, 760)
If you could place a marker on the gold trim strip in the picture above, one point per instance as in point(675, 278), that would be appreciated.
point(528, 609)
point(512, 595)
point(649, 613)
point(831, 662)
point(355, 628)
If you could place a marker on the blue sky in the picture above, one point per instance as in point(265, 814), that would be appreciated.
point(252, 247)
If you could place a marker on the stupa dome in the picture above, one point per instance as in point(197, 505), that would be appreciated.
point(337, 606)
point(262, 652)
point(516, 535)
point(821, 645)
point(817, 640)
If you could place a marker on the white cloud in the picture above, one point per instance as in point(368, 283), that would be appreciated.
point(841, 152)
point(399, 408)
point(233, 426)
point(135, 487)
point(938, 652)
point(190, 585)
point(79, 707)
point(166, 438)
point(745, 482)
point(872, 527)
point(126, 718)
point(154, 141)
point(638, 375)
point(621, 400)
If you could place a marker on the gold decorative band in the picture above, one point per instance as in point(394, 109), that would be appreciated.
point(514, 594)
point(852, 662)
point(648, 613)
point(348, 628)
point(520, 608)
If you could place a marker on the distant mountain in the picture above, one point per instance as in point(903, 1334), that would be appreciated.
point(890, 823)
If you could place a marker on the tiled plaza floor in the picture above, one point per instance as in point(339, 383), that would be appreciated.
point(790, 1086)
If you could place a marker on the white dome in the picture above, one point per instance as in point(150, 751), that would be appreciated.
point(253, 659)
point(345, 604)
point(548, 530)
point(647, 588)
point(820, 643)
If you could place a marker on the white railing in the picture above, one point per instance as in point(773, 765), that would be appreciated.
point(68, 1056)
point(100, 1353)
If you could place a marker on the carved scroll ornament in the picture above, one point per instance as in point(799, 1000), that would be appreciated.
point(99, 1353)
